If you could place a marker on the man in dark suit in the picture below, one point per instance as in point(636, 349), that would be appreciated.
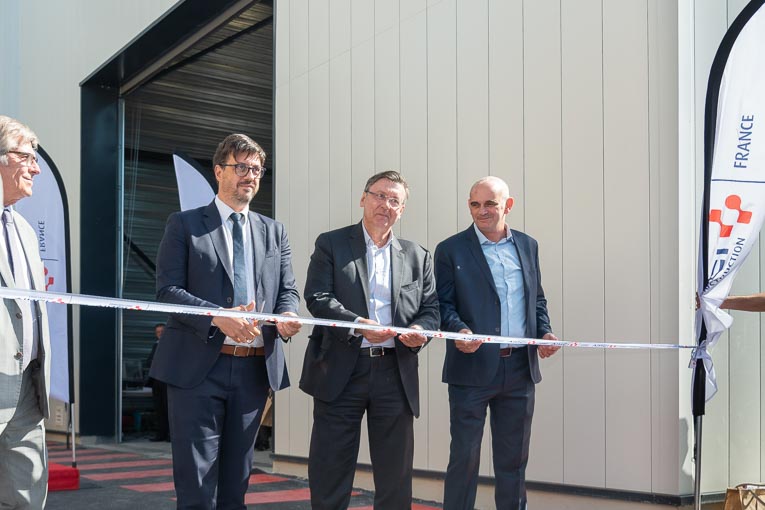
point(218, 371)
point(363, 273)
point(489, 283)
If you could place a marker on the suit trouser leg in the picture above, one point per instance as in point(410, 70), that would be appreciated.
point(391, 436)
point(467, 409)
point(213, 427)
point(335, 442)
point(511, 412)
point(23, 459)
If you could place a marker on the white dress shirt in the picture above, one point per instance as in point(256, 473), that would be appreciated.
point(379, 279)
point(225, 217)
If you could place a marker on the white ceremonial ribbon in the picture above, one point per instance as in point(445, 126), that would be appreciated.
point(150, 306)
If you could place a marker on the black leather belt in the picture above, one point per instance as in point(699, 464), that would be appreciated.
point(374, 352)
point(506, 352)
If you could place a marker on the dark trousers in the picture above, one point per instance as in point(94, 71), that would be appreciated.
point(375, 388)
point(159, 395)
point(510, 397)
point(213, 428)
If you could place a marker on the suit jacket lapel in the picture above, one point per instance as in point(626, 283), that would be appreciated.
point(396, 274)
point(475, 249)
point(258, 236)
point(359, 252)
point(524, 256)
point(214, 226)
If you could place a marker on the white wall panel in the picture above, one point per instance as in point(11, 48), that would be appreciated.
point(573, 104)
point(282, 21)
point(302, 246)
point(410, 8)
point(339, 27)
point(318, 32)
point(443, 196)
point(387, 122)
point(362, 21)
point(362, 116)
point(298, 12)
point(386, 15)
point(543, 206)
point(665, 300)
point(505, 100)
point(342, 210)
point(627, 247)
point(583, 278)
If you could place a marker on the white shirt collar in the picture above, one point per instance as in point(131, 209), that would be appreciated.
point(370, 242)
point(482, 239)
point(225, 211)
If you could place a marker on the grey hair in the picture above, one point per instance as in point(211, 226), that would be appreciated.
point(390, 175)
point(13, 133)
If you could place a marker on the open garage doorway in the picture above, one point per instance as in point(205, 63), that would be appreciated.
point(213, 80)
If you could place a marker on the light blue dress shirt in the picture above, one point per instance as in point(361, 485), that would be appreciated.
point(505, 266)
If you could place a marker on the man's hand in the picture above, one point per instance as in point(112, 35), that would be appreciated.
point(467, 346)
point(375, 337)
point(413, 340)
point(545, 351)
point(289, 328)
point(236, 328)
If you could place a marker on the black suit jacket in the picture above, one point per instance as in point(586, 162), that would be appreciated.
point(337, 288)
point(193, 269)
point(468, 299)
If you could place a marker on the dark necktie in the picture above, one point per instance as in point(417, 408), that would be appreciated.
point(240, 268)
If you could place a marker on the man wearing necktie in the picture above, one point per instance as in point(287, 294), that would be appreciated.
point(24, 335)
point(364, 273)
point(489, 282)
point(218, 370)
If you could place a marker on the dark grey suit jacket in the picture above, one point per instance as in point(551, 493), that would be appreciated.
point(193, 269)
point(468, 299)
point(337, 288)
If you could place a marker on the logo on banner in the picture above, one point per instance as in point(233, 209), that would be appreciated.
point(728, 249)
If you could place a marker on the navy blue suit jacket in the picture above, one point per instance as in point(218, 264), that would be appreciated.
point(468, 299)
point(193, 269)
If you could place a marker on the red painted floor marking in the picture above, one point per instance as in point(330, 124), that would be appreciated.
point(88, 458)
point(415, 506)
point(133, 463)
point(129, 475)
point(168, 486)
point(151, 487)
point(254, 498)
point(266, 478)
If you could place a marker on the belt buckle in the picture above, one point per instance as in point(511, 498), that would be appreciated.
point(509, 352)
point(240, 355)
point(376, 352)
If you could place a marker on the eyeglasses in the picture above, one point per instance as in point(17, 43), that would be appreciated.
point(242, 170)
point(393, 202)
point(27, 158)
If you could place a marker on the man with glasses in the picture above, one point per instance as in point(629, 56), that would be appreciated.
point(218, 370)
point(489, 283)
point(24, 334)
point(363, 273)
